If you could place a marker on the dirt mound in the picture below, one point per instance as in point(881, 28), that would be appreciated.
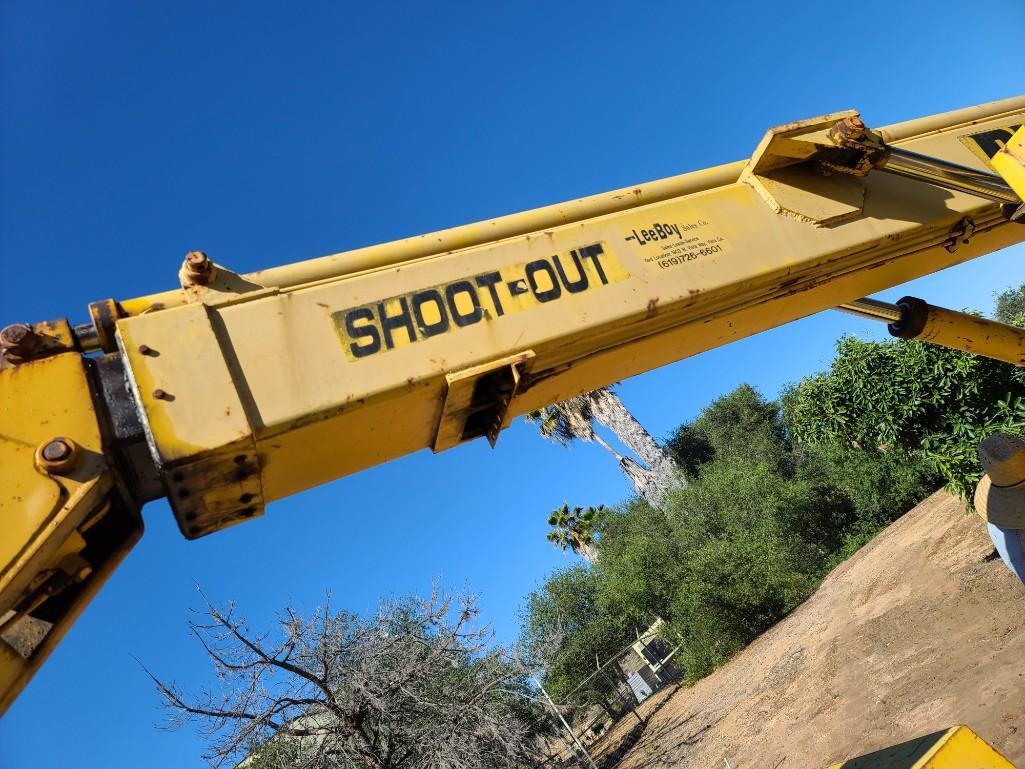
point(920, 630)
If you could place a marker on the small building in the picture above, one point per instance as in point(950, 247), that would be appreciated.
point(650, 666)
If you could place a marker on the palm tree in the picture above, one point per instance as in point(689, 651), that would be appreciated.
point(574, 419)
point(609, 410)
point(571, 420)
point(575, 529)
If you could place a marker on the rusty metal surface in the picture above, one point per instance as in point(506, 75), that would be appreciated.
point(197, 269)
point(18, 341)
point(104, 315)
point(795, 169)
point(60, 537)
point(21, 342)
point(195, 418)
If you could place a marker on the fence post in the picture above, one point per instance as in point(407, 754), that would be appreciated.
point(569, 729)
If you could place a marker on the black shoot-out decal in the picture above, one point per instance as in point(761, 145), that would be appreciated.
point(398, 321)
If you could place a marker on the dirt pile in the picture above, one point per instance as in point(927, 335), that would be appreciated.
point(920, 630)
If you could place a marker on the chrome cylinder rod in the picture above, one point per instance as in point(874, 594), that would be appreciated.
point(873, 309)
point(950, 176)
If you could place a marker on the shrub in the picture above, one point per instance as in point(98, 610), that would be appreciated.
point(928, 400)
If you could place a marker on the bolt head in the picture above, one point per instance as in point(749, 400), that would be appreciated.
point(18, 338)
point(197, 270)
point(56, 450)
point(18, 341)
point(57, 455)
point(197, 260)
point(14, 334)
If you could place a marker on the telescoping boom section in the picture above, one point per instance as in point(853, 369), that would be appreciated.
point(236, 390)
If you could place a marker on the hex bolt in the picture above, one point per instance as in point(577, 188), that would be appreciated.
point(19, 340)
point(197, 260)
point(57, 455)
point(198, 268)
point(14, 334)
point(145, 349)
point(847, 131)
point(56, 450)
point(159, 394)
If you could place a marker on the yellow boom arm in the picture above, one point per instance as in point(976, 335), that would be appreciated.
point(237, 390)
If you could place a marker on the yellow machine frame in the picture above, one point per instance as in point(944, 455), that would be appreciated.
point(955, 748)
point(234, 391)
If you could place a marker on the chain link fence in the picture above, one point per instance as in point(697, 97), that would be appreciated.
point(605, 713)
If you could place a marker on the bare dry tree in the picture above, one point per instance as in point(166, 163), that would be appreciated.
point(417, 685)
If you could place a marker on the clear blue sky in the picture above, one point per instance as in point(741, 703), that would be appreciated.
point(133, 132)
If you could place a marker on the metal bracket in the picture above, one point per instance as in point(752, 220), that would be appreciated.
point(477, 401)
point(205, 282)
point(962, 232)
point(21, 342)
point(794, 171)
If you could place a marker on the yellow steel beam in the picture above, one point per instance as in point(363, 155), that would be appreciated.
point(955, 748)
point(305, 384)
point(464, 236)
point(61, 537)
point(1009, 161)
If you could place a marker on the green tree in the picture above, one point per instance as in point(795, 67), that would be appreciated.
point(761, 522)
point(690, 448)
point(754, 544)
point(640, 563)
point(759, 526)
point(569, 602)
point(1010, 306)
point(741, 423)
point(934, 402)
point(744, 543)
point(744, 424)
point(575, 530)
point(880, 485)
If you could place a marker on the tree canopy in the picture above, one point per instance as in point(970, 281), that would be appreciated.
point(937, 403)
point(1010, 306)
point(575, 529)
point(416, 685)
point(760, 523)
